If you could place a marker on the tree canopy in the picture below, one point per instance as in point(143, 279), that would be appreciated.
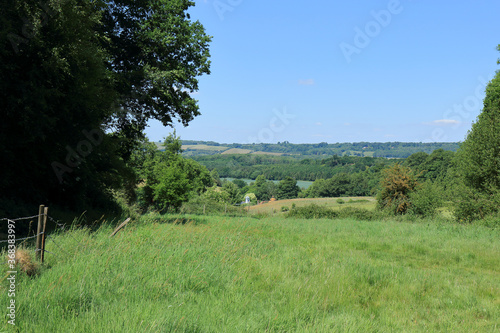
point(80, 79)
point(478, 160)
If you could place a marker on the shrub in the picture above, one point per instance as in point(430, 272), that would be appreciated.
point(285, 209)
point(491, 221)
point(358, 214)
point(340, 201)
point(312, 211)
point(397, 183)
point(425, 200)
point(474, 205)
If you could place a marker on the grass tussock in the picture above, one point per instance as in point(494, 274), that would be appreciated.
point(25, 262)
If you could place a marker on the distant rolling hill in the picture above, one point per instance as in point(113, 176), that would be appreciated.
point(319, 150)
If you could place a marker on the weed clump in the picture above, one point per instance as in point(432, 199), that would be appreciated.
point(25, 263)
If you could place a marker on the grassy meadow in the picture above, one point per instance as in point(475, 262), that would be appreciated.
point(274, 207)
point(242, 274)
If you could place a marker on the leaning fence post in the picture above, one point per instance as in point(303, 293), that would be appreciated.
point(45, 214)
point(38, 231)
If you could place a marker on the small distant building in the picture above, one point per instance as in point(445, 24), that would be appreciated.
point(247, 199)
point(272, 199)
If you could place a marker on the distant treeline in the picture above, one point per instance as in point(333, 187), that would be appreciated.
point(332, 177)
point(279, 167)
point(371, 149)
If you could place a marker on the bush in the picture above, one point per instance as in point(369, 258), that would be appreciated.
point(359, 214)
point(285, 209)
point(397, 183)
point(312, 211)
point(425, 200)
point(491, 221)
point(473, 205)
point(340, 201)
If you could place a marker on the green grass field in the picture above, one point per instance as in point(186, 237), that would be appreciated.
point(274, 207)
point(222, 274)
point(205, 147)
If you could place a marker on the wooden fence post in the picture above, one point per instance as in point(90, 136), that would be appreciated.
point(124, 223)
point(45, 214)
point(38, 231)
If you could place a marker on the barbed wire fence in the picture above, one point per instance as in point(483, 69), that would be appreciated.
point(41, 234)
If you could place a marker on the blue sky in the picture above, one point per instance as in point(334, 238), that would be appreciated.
point(342, 71)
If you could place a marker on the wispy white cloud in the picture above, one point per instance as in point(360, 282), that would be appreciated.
point(308, 82)
point(318, 124)
point(322, 136)
point(442, 122)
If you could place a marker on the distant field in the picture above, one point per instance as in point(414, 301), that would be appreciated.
point(248, 151)
point(237, 151)
point(242, 274)
point(266, 153)
point(275, 206)
point(205, 147)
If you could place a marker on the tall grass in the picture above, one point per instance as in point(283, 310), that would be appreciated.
point(222, 274)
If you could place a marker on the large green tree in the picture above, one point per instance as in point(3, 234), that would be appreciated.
point(54, 94)
point(288, 189)
point(156, 55)
point(478, 159)
point(167, 179)
point(80, 79)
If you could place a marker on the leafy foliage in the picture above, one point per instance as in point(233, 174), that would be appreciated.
point(312, 211)
point(288, 189)
point(397, 183)
point(251, 166)
point(168, 178)
point(479, 160)
point(80, 79)
point(426, 200)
